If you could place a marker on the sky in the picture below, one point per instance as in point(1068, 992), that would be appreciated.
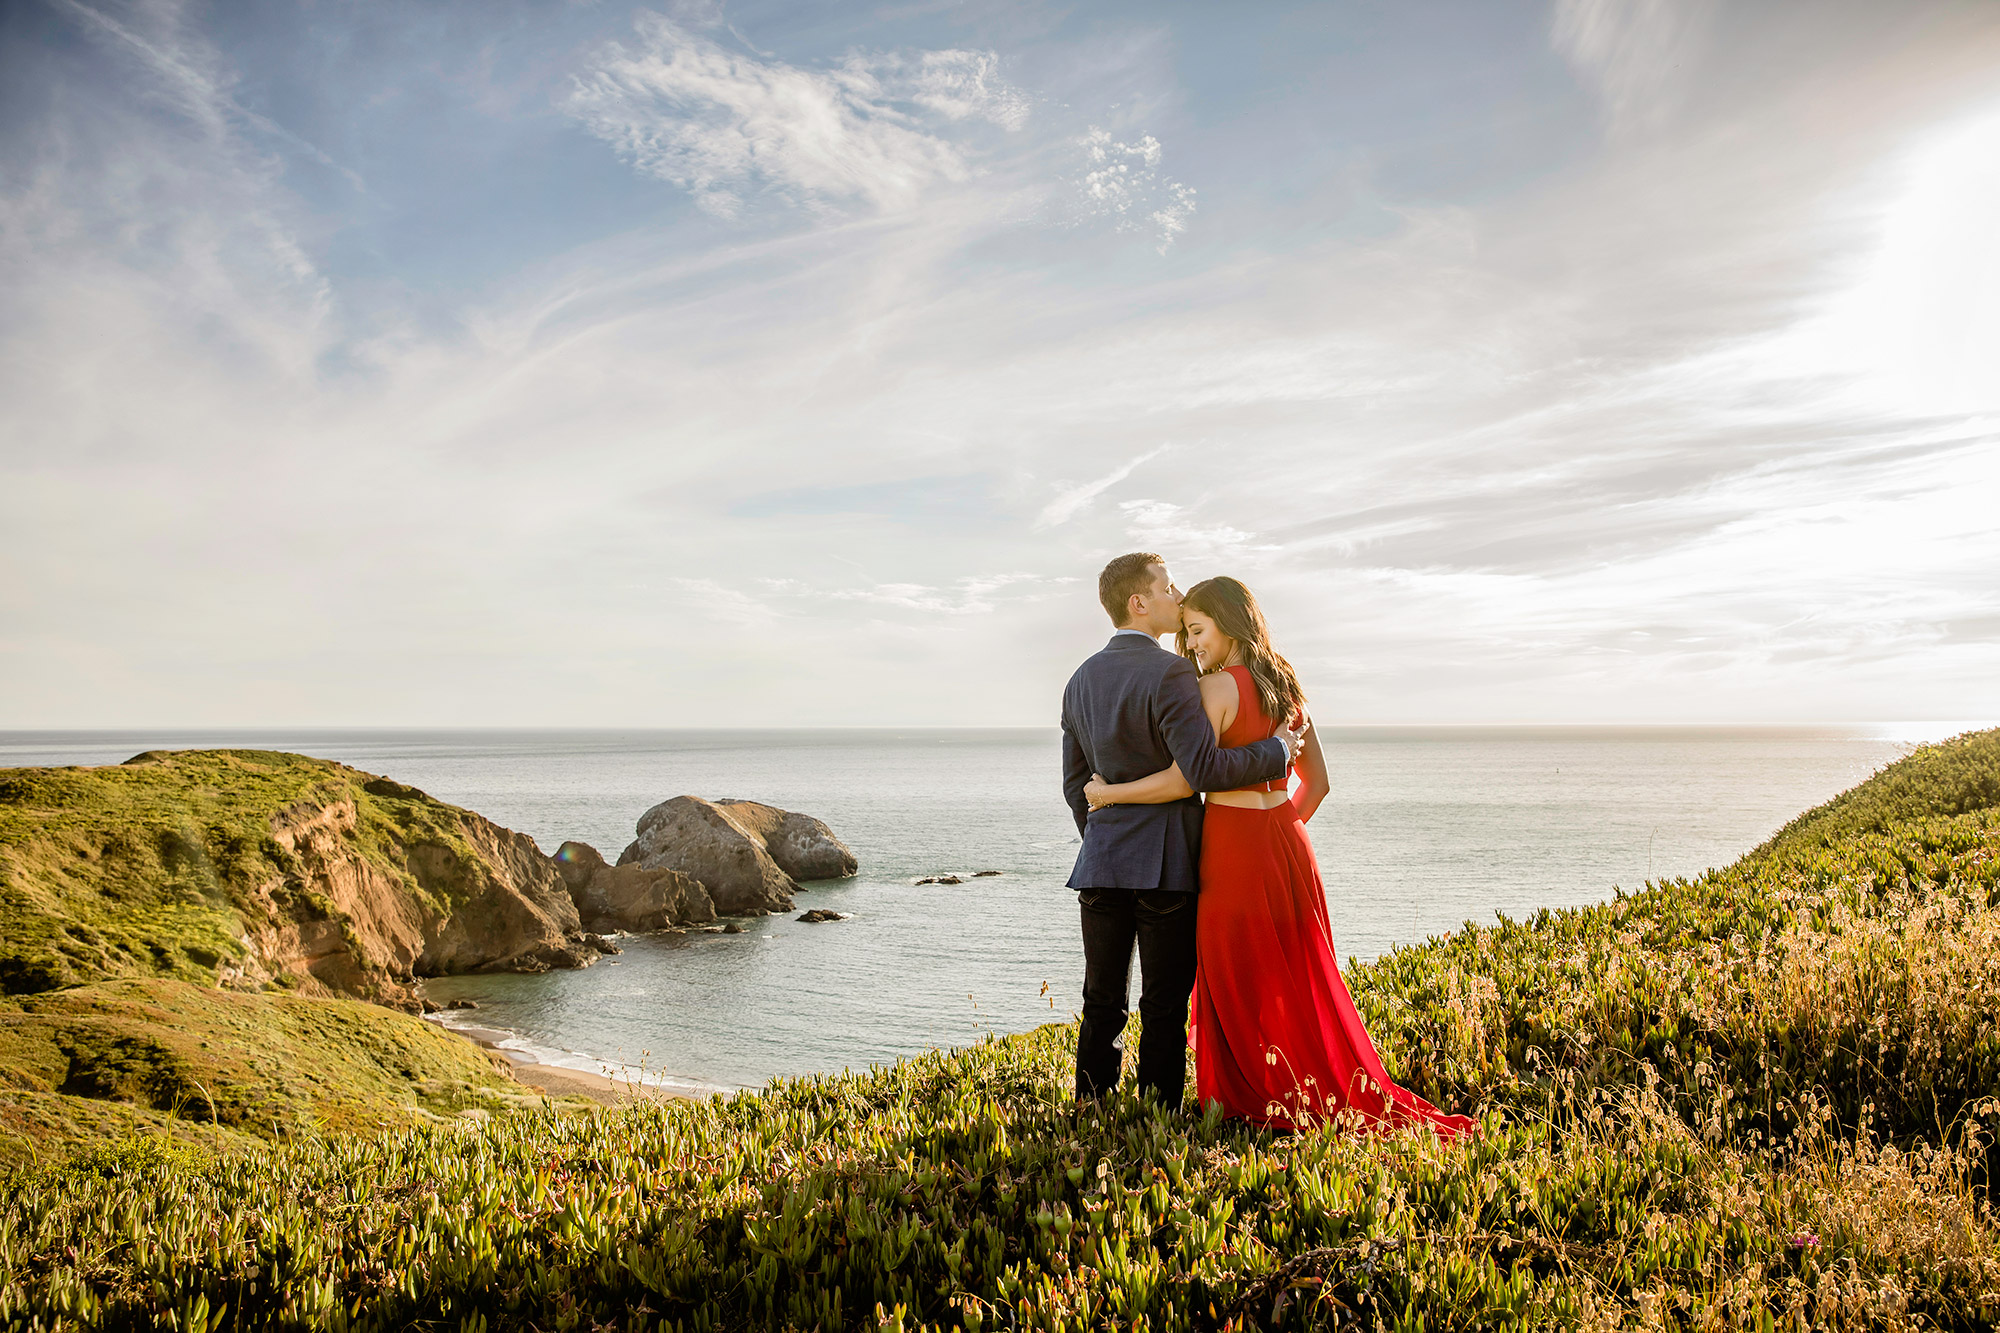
point(501, 363)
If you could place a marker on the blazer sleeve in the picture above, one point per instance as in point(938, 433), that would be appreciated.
point(1191, 740)
point(1076, 771)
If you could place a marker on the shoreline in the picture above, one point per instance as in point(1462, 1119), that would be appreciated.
point(557, 1080)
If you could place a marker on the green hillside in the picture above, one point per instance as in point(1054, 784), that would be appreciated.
point(131, 999)
point(221, 1070)
point(156, 867)
point(1756, 1100)
point(1954, 778)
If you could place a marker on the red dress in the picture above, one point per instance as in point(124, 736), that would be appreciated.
point(1276, 1037)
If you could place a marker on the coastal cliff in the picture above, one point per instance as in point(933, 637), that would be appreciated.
point(184, 938)
point(245, 868)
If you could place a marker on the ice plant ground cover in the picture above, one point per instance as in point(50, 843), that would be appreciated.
point(1758, 1099)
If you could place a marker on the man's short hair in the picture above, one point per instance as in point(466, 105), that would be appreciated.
point(1123, 577)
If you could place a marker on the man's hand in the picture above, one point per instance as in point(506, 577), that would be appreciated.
point(1294, 737)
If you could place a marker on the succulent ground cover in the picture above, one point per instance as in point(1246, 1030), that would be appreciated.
point(1758, 1099)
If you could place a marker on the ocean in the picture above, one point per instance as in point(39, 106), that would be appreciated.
point(1426, 828)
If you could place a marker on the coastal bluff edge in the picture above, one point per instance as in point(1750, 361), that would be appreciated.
point(1764, 1097)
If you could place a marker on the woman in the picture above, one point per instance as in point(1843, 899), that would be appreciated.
point(1276, 1036)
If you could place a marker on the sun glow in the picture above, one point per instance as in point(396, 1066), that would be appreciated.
point(1922, 326)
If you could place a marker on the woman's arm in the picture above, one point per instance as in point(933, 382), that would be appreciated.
point(1312, 768)
point(1218, 701)
point(1157, 789)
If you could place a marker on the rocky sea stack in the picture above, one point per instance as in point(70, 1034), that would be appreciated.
point(630, 897)
point(749, 857)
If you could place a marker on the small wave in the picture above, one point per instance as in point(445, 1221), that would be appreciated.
point(521, 1051)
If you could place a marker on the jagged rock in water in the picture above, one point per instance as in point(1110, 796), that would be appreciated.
point(738, 850)
point(819, 914)
point(629, 897)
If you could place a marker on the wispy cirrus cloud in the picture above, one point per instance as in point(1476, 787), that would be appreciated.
point(1073, 497)
point(712, 600)
point(1177, 533)
point(974, 594)
point(188, 71)
point(727, 125)
point(1633, 51)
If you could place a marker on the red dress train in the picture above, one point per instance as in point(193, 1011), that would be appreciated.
point(1277, 1039)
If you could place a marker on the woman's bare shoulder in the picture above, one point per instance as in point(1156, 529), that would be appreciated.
point(1219, 686)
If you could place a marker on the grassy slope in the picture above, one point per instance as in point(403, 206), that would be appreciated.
point(148, 868)
point(1750, 1100)
point(1953, 778)
point(220, 1069)
point(122, 889)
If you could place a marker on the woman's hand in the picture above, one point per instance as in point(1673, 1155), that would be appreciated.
point(1093, 792)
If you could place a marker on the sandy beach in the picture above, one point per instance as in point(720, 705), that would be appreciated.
point(560, 1080)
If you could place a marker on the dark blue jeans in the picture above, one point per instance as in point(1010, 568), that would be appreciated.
point(1161, 925)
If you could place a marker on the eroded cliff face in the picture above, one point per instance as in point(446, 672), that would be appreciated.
point(336, 917)
point(491, 903)
point(252, 869)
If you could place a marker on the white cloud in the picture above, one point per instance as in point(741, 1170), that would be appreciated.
point(122, 215)
point(710, 600)
point(957, 85)
point(188, 72)
point(1122, 182)
point(1072, 498)
point(1636, 52)
point(976, 594)
point(1171, 529)
point(725, 126)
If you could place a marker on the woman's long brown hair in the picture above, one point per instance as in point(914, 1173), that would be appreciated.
point(1236, 613)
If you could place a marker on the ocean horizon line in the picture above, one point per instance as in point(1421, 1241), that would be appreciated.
point(1915, 730)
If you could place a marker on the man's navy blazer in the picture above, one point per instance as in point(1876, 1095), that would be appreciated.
point(1128, 712)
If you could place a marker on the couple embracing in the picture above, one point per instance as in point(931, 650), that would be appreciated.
point(1221, 901)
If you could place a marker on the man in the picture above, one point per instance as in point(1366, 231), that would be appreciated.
point(1131, 710)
